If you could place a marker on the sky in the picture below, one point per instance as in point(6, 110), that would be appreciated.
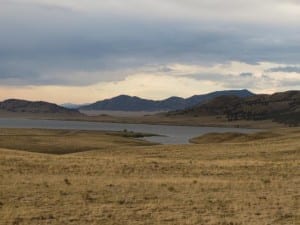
point(81, 51)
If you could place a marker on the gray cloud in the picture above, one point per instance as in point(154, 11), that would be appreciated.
point(50, 43)
point(291, 83)
point(230, 81)
point(287, 69)
point(246, 74)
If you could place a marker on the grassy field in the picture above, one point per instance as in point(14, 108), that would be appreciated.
point(237, 181)
point(66, 141)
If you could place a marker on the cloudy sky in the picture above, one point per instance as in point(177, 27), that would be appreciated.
point(86, 50)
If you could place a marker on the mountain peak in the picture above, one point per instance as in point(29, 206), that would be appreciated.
point(134, 103)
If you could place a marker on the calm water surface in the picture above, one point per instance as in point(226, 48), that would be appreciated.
point(170, 134)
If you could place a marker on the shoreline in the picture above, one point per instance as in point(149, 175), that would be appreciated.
point(159, 120)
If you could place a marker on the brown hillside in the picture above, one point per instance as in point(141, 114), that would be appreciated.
point(282, 107)
point(23, 106)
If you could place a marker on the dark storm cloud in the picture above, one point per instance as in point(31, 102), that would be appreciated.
point(47, 44)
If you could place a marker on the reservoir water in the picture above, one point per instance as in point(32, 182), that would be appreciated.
point(169, 134)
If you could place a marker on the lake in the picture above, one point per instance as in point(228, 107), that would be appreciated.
point(169, 134)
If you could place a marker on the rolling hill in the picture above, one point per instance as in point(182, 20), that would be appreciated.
point(129, 103)
point(38, 107)
point(282, 107)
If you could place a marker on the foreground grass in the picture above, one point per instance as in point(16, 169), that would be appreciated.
point(232, 137)
point(66, 141)
point(230, 183)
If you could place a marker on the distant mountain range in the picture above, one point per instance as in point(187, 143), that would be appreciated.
point(129, 103)
point(282, 107)
point(39, 107)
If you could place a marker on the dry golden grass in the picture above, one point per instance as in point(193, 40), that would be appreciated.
point(64, 141)
point(254, 182)
point(232, 137)
point(186, 120)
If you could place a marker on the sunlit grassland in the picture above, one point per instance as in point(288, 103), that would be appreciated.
point(248, 181)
